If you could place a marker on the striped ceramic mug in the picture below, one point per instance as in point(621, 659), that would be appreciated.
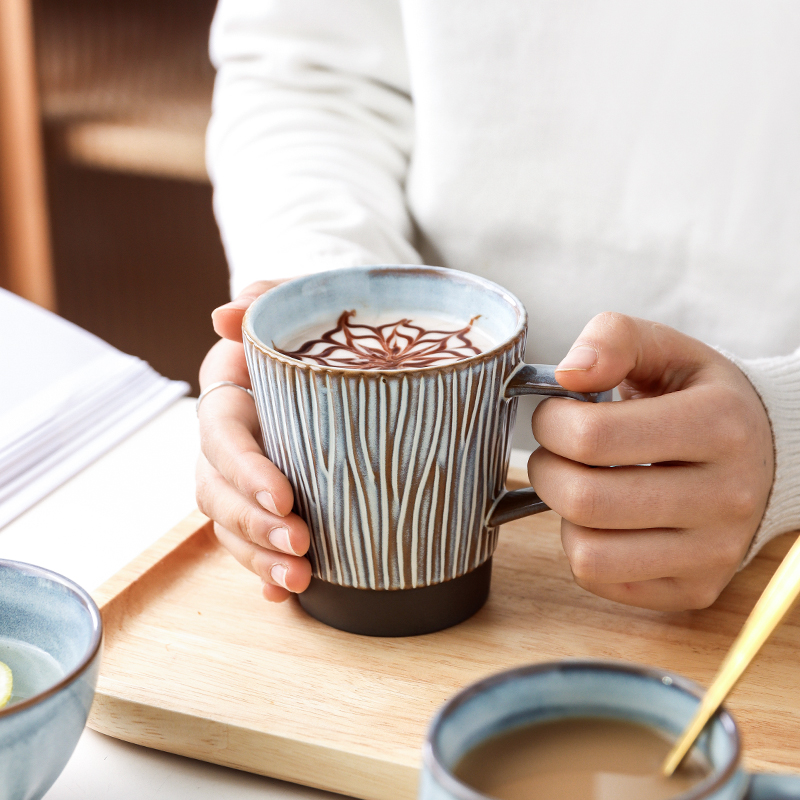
point(398, 473)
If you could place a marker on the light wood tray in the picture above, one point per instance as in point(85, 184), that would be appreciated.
point(196, 663)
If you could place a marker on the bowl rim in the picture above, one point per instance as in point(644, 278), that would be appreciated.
point(401, 270)
point(85, 599)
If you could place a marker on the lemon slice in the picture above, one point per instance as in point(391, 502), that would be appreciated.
point(6, 683)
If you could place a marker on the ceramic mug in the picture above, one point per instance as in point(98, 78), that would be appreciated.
point(568, 689)
point(399, 474)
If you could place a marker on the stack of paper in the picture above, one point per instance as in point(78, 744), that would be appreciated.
point(66, 398)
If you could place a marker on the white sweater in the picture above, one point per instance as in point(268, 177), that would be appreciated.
point(628, 156)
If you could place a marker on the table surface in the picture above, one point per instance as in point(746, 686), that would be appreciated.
point(90, 528)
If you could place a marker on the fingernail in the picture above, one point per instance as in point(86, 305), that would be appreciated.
point(239, 304)
point(235, 305)
point(279, 539)
point(265, 501)
point(278, 574)
point(581, 357)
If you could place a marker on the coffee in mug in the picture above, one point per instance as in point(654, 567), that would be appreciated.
point(578, 759)
point(401, 340)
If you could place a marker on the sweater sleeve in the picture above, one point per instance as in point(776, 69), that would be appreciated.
point(777, 382)
point(310, 136)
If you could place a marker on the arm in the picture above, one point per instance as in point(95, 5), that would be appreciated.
point(310, 136)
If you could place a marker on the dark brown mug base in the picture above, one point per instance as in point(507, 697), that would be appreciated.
point(401, 612)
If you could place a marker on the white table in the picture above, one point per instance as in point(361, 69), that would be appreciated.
point(87, 530)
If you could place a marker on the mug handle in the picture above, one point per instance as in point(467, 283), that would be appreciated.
point(532, 379)
point(773, 787)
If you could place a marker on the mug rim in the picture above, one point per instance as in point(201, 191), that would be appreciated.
point(440, 272)
point(85, 599)
point(462, 791)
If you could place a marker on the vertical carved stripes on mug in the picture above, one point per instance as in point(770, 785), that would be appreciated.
point(393, 472)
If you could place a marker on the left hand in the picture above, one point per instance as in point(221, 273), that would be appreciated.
point(244, 493)
point(660, 494)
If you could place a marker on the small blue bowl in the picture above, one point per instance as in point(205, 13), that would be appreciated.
point(50, 636)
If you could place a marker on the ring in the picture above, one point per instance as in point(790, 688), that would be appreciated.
point(210, 388)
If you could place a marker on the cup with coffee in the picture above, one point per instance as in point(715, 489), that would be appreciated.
point(584, 730)
point(387, 397)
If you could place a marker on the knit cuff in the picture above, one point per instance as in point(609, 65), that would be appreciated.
point(777, 382)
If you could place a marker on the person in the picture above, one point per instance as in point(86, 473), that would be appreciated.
point(638, 157)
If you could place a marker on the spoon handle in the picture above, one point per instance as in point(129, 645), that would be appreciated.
point(775, 601)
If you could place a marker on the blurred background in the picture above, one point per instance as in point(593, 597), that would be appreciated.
point(105, 205)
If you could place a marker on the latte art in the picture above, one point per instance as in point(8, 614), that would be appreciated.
point(398, 344)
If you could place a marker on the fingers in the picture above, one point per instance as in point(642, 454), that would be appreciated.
point(674, 496)
point(248, 520)
point(599, 557)
point(225, 361)
point(669, 535)
point(281, 574)
point(228, 434)
point(664, 570)
point(703, 423)
point(245, 494)
point(227, 319)
point(268, 545)
point(275, 594)
point(666, 537)
point(613, 348)
point(661, 594)
point(227, 430)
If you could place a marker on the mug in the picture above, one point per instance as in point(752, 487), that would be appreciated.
point(399, 474)
point(564, 689)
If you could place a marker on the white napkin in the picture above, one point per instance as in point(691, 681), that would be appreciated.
point(66, 397)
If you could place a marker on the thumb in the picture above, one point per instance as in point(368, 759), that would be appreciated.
point(650, 357)
point(227, 319)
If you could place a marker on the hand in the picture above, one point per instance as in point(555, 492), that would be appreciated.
point(245, 494)
point(660, 494)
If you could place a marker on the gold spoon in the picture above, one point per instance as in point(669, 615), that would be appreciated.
point(770, 609)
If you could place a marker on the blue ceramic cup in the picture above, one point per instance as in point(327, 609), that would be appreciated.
point(399, 473)
point(560, 690)
point(50, 637)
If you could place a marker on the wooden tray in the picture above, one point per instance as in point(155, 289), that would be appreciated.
point(196, 663)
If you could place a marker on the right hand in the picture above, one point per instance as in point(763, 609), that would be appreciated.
point(246, 495)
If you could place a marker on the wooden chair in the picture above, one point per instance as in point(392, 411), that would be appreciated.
point(25, 259)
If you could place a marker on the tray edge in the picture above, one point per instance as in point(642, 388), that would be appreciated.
point(136, 569)
point(303, 763)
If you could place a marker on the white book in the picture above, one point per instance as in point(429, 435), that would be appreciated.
point(66, 397)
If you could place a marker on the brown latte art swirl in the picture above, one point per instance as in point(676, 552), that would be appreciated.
point(391, 345)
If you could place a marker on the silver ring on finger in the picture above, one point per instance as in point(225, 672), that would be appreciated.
point(219, 384)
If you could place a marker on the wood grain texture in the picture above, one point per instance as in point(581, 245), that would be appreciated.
point(197, 664)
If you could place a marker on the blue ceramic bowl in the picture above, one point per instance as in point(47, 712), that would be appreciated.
point(50, 636)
